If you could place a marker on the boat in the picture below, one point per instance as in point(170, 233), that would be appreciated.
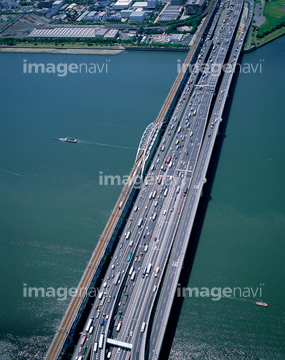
point(66, 139)
point(70, 140)
point(261, 303)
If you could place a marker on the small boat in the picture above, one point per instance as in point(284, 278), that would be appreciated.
point(70, 140)
point(261, 303)
point(66, 139)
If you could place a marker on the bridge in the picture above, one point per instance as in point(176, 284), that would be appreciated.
point(129, 316)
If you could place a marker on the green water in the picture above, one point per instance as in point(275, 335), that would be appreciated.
point(53, 209)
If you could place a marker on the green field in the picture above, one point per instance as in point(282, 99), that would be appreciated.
point(274, 11)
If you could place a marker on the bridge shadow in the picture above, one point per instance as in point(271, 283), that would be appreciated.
point(197, 227)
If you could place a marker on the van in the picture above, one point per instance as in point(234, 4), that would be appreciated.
point(155, 204)
point(131, 243)
point(135, 208)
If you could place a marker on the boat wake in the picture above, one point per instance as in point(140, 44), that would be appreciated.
point(108, 145)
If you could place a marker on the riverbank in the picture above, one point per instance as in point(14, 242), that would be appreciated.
point(267, 39)
point(62, 50)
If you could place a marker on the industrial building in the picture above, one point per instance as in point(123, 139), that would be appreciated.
point(122, 4)
point(138, 16)
point(195, 7)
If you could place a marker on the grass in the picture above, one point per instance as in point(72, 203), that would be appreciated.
point(274, 15)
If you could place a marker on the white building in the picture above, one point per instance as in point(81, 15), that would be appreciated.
point(152, 4)
point(140, 4)
point(57, 4)
point(138, 16)
point(122, 4)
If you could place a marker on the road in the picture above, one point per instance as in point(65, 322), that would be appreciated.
point(140, 283)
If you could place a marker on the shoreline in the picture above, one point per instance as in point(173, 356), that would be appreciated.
point(57, 50)
point(249, 50)
point(82, 51)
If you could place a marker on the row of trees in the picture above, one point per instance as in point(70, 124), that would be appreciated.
point(262, 33)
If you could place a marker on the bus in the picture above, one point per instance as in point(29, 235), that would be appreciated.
point(88, 325)
point(101, 341)
point(159, 180)
point(129, 257)
point(128, 235)
point(144, 271)
point(95, 346)
point(185, 190)
point(119, 326)
point(140, 222)
point(154, 194)
point(100, 295)
point(131, 270)
point(168, 159)
point(83, 339)
point(165, 192)
point(133, 276)
point(143, 327)
point(154, 216)
point(116, 278)
point(148, 268)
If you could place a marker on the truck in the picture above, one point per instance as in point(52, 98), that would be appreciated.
point(128, 235)
point(140, 222)
point(125, 299)
point(159, 180)
point(165, 192)
point(154, 216)
point(116, 278)
point(148, 268)
point(156, 271)
point(131, 270)
point(119, 326)
point(143, 327)
point(100, 295)
point(102, 321)
point(95, 347)
point(154, 194)
point(88, 324)
point(185, 190)
point(101, 341)
point(144, 271)
point(133, 276)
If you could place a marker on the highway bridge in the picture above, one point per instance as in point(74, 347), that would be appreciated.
point(148, 232)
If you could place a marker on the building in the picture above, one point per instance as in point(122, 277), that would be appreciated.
point(140, 4)
point(152, 4)
point(195, 7)
point(46, 4)
point(172, 12)
point(126, 13)
point(82, 16)
point(91, 17)
point(111, 34)
point(138, 16)
point(176, 2)
point(122, 4)
point(57, 4)
point(103, 3)
point(100, 33)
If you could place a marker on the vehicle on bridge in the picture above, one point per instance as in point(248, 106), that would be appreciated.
point(185, 190)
